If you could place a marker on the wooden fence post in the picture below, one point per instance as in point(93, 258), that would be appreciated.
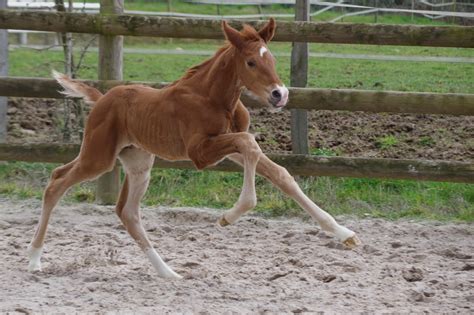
point(299, 78)
point(3, 72)
point(110, 68)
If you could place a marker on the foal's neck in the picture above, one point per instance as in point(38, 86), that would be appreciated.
point(217, 78)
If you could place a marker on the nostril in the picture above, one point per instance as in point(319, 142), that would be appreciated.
point(276, 94)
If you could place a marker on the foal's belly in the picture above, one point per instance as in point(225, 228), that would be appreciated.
point(156, 133)
point(170, 149)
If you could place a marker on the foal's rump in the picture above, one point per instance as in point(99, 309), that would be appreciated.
point(129, 114)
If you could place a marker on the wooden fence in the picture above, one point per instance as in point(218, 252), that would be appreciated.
point(110, 24)
point(297, 164)
point(137, 25)
point(301, 98)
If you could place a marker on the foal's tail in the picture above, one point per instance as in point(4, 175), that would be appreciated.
point(73, 88)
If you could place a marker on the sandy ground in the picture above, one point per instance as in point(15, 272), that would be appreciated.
point(257, 265)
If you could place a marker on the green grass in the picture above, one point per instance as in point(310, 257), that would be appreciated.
point(426, 141)
point(283, 47)
point(323, 72)
point(390, 199)
point(386, 142)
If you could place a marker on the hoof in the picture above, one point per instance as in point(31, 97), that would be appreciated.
point(34, 266)
point(352, 242)
point(164, 271)
point(222, 221)
point(35, 258)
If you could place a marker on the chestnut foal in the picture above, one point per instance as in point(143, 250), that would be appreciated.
point(198, 118)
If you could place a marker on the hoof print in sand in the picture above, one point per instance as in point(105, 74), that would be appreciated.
point(421, 295)
point(454, 253)
point(467, 267)
point(396, 244)
point(328, 278)
point(413, 274)
point(336, 245)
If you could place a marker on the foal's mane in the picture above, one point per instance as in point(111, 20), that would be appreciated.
point(248, 33)
point(191, 71)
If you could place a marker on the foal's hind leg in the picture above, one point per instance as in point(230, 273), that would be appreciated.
point(97, 156)
point(137, 164)
point(61, 180)
point(280, 177)
point(53, 192)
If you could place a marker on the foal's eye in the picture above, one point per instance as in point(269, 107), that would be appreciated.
point(251, 63)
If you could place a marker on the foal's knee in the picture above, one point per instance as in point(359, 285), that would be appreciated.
point(249, 147)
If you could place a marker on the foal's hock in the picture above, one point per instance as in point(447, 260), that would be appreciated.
point(199, 117)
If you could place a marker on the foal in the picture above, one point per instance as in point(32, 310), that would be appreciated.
point(198, 118)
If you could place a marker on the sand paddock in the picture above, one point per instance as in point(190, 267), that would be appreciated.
point(90, 264)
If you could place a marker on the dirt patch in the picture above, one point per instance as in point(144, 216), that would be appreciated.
point(90, 264)
point(359, 134)
point(331, 133)
point(39, 120)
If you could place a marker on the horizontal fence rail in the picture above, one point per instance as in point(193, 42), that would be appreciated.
point(139, 25)
point(297, 164)
point(303, 98)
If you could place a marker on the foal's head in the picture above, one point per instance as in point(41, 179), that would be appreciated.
point(256, 65)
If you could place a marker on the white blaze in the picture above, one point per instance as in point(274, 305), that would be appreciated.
point(263, 50)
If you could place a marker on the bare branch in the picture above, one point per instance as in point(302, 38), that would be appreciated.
point(83, 54)
point(41, 48)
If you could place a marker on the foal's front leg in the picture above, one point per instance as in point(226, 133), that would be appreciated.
point(280, 177)
point(211, 150)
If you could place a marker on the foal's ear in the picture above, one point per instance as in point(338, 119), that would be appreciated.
point(232, 35)
point(267, 32)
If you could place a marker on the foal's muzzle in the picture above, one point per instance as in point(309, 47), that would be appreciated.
point(278, 96)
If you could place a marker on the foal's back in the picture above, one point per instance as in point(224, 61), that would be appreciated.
point(142, 116)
